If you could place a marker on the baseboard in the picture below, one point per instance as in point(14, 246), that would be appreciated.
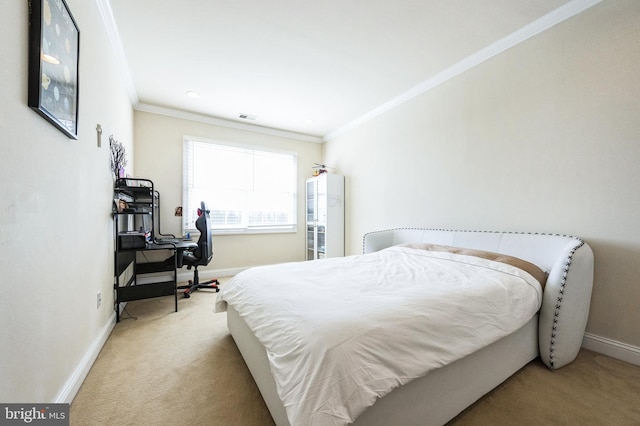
point(609, 347)
point(612, 348)
point(72, 386)
point(186, 275)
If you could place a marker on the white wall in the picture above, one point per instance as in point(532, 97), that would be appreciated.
point(159, 141)
point(56, 236)
point(542, 138)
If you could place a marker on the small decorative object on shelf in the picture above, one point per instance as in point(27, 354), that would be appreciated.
point(318, 169)
point(118, 157)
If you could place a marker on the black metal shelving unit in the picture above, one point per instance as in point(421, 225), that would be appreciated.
point(135, 206)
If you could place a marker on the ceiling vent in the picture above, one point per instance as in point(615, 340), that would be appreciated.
point(247, 116)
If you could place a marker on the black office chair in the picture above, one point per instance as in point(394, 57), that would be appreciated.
point(200, 255)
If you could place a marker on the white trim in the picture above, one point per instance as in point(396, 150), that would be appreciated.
point(210, 274)
point(201, 118)
point(187, 274)
point(104, 6)
point(612, 348)
point(554, 17)
point(549, 20)
point(79, 374)
point(72, 386)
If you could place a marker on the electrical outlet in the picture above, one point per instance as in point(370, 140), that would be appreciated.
point(99, 300)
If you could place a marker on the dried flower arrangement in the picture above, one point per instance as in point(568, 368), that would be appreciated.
point(118, 156)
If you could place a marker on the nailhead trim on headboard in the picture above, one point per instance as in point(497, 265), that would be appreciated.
point(554, 328)
point(556, 314)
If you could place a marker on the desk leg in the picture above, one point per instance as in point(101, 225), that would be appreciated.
point(175, 277)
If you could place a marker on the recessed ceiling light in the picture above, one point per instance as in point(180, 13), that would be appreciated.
point(193, 95)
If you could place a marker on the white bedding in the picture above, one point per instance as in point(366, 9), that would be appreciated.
point(342, 332)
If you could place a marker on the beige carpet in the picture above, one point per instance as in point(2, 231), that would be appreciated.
point(168, 368)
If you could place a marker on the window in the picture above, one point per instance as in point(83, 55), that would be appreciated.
point(247, 189)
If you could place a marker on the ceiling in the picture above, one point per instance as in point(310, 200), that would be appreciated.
point(310, 67)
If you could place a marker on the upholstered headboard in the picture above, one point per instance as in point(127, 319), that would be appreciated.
point(567, 294)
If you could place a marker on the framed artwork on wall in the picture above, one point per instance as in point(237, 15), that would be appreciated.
point(54, 47)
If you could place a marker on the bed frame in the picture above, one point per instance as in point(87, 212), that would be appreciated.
point(555, 334)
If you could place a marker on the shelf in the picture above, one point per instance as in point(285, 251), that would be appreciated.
point(151, 267)
point(145, 291)
point(122, 213)
point(135, 209)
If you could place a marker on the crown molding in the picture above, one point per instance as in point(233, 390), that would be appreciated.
point(538, 26)
point(549, 20)
point(207, 119)
point(106, 13)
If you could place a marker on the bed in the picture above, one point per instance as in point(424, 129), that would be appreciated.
point(343, 351)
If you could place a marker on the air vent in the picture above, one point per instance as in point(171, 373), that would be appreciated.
point(247, 116)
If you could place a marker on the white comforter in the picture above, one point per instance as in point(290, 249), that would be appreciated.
point(342, 332)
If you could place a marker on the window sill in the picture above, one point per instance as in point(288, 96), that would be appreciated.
point(217, 232)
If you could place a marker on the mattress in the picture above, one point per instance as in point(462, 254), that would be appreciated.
point(341, 333)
